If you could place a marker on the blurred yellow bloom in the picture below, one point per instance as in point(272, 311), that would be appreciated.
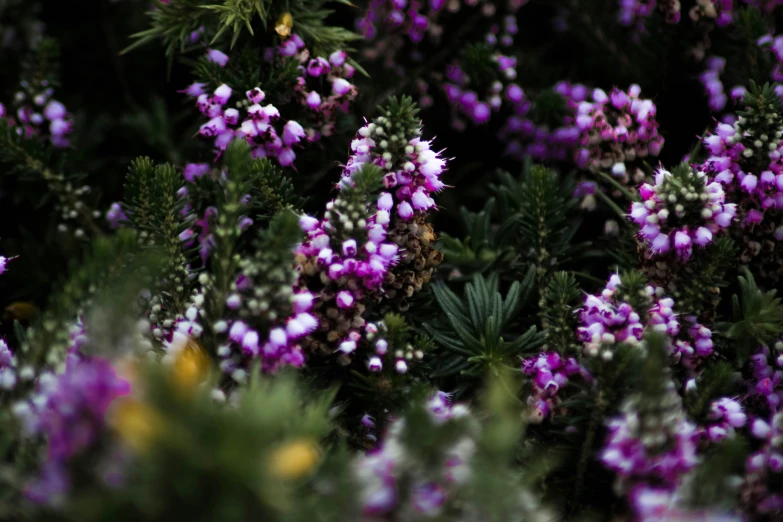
point(191, 365)
point(136, 423)
point(295, 459)
point(284, 25)
point(20, 311)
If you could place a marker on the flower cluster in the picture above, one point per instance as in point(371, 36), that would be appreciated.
point(477, 107)
point(774, 45)
point(412, 172)
point(263, 295)
point(343, 262)
point(654, 504)
point(725, 416)
point(315, 72)
point(710, 79)
point(257, 126)
point(540, 140)
point(400, 16)
point(380, 472)
point(651, 444)
point(262, 125)
point(746, 159)
point(764, 467)
point(680, 210)
point(8, 370)
point(38, 114)
point(635, 12)
point(69, 410)
point(765, 379)
point(615, 129)
point(598, 130)
point(760, 490)
point(371, 248)
point(608, 320)
point(549, 373)
point(691, 350)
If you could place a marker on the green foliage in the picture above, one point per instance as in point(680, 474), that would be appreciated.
point(173, 23)
point(713, 484)
point(109, 260)
point(281, 236)
point(633, 290)
point(258, 455)
point(271, 190)
point(154, 208)
point(245, 71)
point(236, 14)
point(760, 101)
point(549, 108)
point(559, 313)
point(353, 206)
point(483, 246)
point(479, 65)
point(310, 22)
point(757, 317)
point(698, 286)
point(718, 379)
point(229, 202)
point(541, 213)
point(41, 66)
point(498, 487)
point(476, 324)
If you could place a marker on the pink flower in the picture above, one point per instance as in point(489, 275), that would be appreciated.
point(292, 133)
point(313, 100)
point(195, 170)
point(218, 57)
point(255, 95)
point(341, 87)
point(337, 58)
point(286, 157)
point(54, 111)
point(404, 210)
point(222, 94)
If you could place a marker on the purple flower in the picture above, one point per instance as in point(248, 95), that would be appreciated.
point(292, 133)
point(195, 170)
point(344, 299)
point(114, 216)
point(218, 57)
point(54, 111)
point(313, 100)
point(195, 89)
point(341, 87)
point(318, 66)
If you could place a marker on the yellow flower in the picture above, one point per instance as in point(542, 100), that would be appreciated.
point(191, 365)
point(136, 423)
point(20, 311)
point(294, 459)
point(284, 25)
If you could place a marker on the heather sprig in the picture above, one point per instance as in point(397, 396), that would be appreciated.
point(262, 125)
point(682, 209)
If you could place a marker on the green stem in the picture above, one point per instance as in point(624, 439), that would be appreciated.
point(611, 204)
point(619, 186)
